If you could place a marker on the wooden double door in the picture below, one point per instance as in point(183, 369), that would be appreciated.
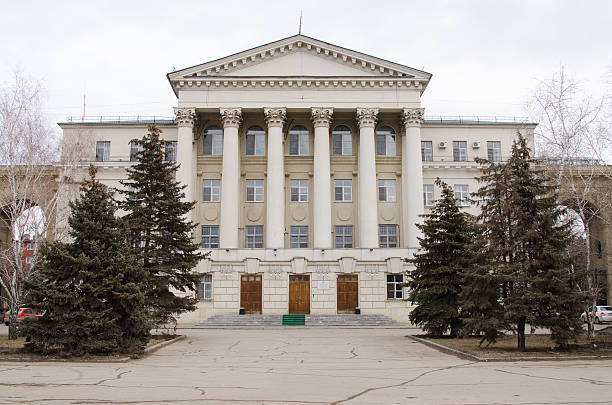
point(250, 293)
point(299, 294)
point(348, 293)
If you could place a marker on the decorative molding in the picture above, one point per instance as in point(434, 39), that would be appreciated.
point(413, 117)
point(185, 116)
point(275, 117)
point(294, 82)
point(367, 117)
point(231, 117)
point(322, 116)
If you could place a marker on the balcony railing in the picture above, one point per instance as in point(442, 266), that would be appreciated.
point(119, 119)
point(482, 119)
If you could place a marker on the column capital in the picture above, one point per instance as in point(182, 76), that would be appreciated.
point(275, 117)
point(185, 116)
point(231, 117)
point(412, 117)
point(367, 117)
point(322, 116)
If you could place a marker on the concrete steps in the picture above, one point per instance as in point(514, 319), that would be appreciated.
point(262, 321)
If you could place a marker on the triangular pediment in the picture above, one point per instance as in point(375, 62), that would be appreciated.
point(299, 56)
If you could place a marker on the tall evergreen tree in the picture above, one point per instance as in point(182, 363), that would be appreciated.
point(161, 233)
point(436, 282)
point(91, 289)
point(526, 237)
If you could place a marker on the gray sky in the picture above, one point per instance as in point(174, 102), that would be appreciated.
point(485, 56)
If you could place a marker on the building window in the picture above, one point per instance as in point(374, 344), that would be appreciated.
point(387, 236)
point(460, 151)
point(385, 141)
point(299, 141)
point(102, 151)
point(428, 195)
point(170, 152)
point(394, 286)
point(254, 236)
point(212, 141)
point(342, 141)
point(386, 190)
point(255, 190)
point(135, 149)
point(211, 190)
point(461, 195)
point(255, 141)
point(28, 260)
point(205, 288)
point(343, 190)
point(426, 151)
point(299, 236)
point(344, 236)
point(494, 151)
point(299, 190)
point(210, 237)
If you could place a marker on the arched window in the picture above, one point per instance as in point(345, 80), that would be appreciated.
point(299, 144)
point(255, 141)
point(385, 141)
point(212, 141)
point(342, 141)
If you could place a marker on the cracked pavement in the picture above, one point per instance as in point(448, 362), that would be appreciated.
point(305, 366)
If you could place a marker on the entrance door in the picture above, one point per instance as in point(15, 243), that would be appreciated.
point(299, 294)
point(348, 297)
point(250, 293)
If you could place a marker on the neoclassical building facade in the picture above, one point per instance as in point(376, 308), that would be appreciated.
point(310, 165)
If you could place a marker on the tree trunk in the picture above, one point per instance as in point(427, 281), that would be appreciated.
point(521, 333)
point(12, 335)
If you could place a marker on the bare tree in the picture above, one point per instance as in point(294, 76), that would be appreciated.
point(29, 186)
point(573, 139)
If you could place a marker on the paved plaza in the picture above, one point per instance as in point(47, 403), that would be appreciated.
point(296, 365)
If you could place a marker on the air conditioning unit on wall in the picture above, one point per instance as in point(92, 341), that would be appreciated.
point(442, 145)
point(475, 145)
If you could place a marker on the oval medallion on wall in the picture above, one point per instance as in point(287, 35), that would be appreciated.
point(344, 214)
point(387, 213)
point(254, 214)
point(211, 213)
point(299, 213)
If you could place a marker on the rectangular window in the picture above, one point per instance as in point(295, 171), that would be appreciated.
point(299, 236)
point(386, 190)
point(170, 152)
point(428, 195)
point(395, 290)
point(255, 190)
point(102, 151)
point(212, 144)
point(211, 190)
point(254, 236)
point(461, 195)
point(460, 151)
point(426, 151)
point(298, 144)
point(342, 144)
point(387, 236)
point(255, 144)
point(210, 237)
point(135, 148)
point(343, 190)
point(344, 236)
point(494, 151)
point(299, 190)
point(385, 145)
point(205, 288)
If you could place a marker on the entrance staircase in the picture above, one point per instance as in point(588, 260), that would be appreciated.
point(262, 321)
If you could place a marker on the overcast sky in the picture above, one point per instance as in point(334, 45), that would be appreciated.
point(485, 56)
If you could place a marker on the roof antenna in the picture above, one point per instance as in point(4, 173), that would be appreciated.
point(300, 29)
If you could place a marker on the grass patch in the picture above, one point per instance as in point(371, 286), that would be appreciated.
point(535, 346)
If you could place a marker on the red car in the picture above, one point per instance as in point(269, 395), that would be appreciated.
point(22, 314)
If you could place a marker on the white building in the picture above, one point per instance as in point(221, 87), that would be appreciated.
point(310, 164)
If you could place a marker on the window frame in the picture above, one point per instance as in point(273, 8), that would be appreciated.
point(298, 237)
point(426, 152)
point(216, 141)
point(299, 133)
point(384, 237)
point(201, 292)
point(104, 147)
point(255, 187)
point(209, 237)
point(428, 190)
point(390, 190)
point(344, 236)
point(170, 151)
point(135, 148)
point(464, 195)
point(390, 135)
point(259, 141)
point(301, 190)
point(343, 187)
point(213, 185)
point(345, 137)
point(492, 152)
point(253, 237)
point(460, 151)
point(396, 286)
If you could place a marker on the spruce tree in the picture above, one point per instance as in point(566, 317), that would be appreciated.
point(161, 234)
point(436, 282)
point(91, 289)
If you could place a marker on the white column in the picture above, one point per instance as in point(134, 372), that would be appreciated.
point(185, 118)
point(412, 176)
point(275, 182)
point(368, 203)
point(321, 198)
point(230, 179)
